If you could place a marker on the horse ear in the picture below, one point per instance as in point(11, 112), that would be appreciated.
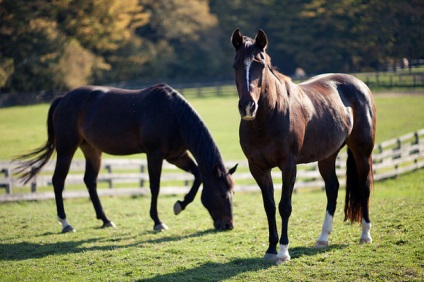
point(261, 40)
point(232, 170)
point(216, 171)
point(237, 39)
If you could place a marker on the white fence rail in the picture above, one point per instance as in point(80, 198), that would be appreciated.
point(391, 158)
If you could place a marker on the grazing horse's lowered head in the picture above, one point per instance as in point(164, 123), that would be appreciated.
point(218, 201)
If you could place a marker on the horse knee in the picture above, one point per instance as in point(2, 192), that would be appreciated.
point(285, 209)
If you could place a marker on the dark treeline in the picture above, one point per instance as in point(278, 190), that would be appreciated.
point(61, 44)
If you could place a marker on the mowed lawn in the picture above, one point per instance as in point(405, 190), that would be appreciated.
point(32, 247)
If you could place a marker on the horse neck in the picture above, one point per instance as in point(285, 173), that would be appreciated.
point(276, 90)
point(198, 140)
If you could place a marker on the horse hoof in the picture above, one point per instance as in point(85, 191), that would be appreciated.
point(108, 224)
point(321, 244)
point(177, 208)
point(365, 241)
point(68, 228)
point(270, 257)
point(160, 227)
point(281, 260)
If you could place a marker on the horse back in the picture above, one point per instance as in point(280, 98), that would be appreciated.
point(338, 104)
point(117, 121)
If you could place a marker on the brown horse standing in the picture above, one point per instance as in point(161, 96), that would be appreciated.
point(157, 121)
point(284, 124)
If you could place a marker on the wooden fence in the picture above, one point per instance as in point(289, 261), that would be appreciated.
point(391, 158)
point(382, 80)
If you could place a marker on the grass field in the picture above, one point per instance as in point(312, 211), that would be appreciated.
point(32, 248)
point(24, 128)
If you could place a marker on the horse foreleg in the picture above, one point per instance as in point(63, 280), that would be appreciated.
point(58, 180)
point(285, 209)
point(187, 164)
point(264, 180)
point(154, 165)
point(327, 170)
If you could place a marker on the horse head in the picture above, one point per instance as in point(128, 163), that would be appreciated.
point(249, 64)
point(217, 196)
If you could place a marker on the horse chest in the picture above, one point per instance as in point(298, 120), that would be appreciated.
point(262, 146)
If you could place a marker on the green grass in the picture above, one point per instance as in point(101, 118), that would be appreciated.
point(32, 248)
point(24, 128)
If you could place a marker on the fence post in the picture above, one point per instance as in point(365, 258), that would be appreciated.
point(109, 171)
point(8, 185)
point(33, 185)
point(142, 179)
point(398, 146)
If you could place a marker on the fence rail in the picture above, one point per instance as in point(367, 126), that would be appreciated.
point(382, 80)
point(391, 158)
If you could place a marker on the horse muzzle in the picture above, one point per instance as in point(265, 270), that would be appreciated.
point(224, 224)
point(248, 109)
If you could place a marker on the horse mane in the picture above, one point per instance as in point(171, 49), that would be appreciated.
point(195, 133)
point(277, 92)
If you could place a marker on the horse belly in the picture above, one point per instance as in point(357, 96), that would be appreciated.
point(321, 143)
point(112, 135)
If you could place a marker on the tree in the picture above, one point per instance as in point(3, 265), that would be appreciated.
point(62, 44)
point(180, 40)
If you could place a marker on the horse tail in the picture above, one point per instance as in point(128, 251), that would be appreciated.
point(353, 202)
point(31, 164)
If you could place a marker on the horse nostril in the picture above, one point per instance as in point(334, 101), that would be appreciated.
point(252, 107)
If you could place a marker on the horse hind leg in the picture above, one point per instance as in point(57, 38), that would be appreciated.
point(185, 163)
point(92, 167)
point(327, 170)
point(63, 162)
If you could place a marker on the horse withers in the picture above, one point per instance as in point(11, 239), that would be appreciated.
point(284, 124)
point(157, 121)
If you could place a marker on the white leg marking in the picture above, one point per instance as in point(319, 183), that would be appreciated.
point(325, 232)
point(64, 222)
point(283, 254)
point(366, 235)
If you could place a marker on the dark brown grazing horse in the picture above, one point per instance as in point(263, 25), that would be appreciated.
point(157, 121)
point(284, 124)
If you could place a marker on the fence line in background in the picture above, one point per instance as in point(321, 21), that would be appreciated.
point(391, 158)
point(385, 80)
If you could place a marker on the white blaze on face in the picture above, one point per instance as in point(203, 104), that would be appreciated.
point(247, 63)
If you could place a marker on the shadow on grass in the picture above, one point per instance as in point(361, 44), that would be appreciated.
point(30, 250)
point(214, 271)
point(298, 252)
